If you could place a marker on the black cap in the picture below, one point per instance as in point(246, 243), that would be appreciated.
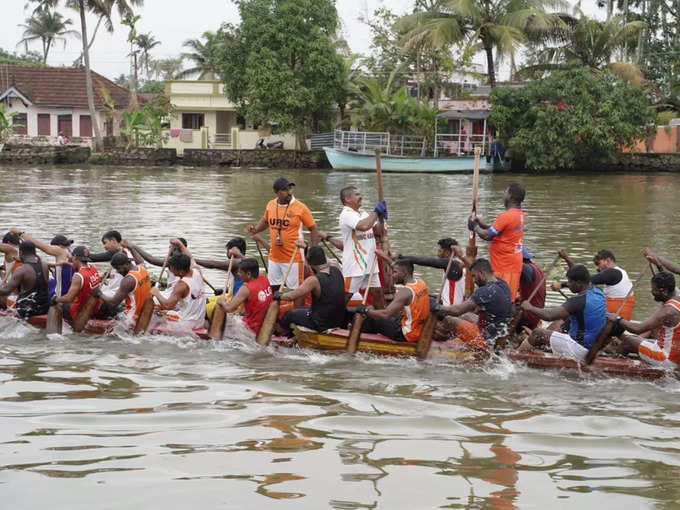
point(119, 259)
point(282, 183)
point(61, 240)
point(81, 253)
point(316, 256)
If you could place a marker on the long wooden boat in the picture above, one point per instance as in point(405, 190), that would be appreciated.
point(341, 159)
point(336, 341)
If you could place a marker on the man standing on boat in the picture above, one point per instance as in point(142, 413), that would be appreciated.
point(30, 279)
point(614, 279)
point(255, 295)
point(586, 312)
point(327, 288)
point(483, 317)
point(454, 286)
point(285, 217)
point(359, 229)
point(405, 316)
point(506, 237)
point(665, 350)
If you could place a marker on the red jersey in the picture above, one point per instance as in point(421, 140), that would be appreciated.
point(258, 302)
point(91, 279)
point(505, 250)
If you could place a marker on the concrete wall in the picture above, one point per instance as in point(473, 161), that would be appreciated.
point(663, 141)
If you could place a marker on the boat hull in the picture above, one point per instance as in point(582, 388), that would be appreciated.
point(346, 160)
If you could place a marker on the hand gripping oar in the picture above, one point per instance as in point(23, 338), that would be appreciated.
point(425, 338)
point(332, 252)
point(272, 313)
point(471, 249)
point(606, 331)
point(353, 340)
point(219, 314)
point(165, 264)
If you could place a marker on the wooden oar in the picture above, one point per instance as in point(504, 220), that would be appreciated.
point(606, 331)
point(219, 315)
point(353, 340)
point(55, 319)
point(264, 335)
point(471, 249)
point(145, 315)
point(512, 326)
point(165, 264)
point(264, 263)
point(425, 338)
point(328, 247)
point(385, 243)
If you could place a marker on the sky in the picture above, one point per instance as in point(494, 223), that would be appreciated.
point(174, 21)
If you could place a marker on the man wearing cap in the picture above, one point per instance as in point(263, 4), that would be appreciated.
point(30, 279)
point(59, 248)
point(531, 278)
point(134, 288)
point(327, 288)
point(285, 217)
point(84, 281)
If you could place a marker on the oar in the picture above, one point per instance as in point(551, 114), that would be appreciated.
point(272, 313)
point(259, 250)
point(165, 264)
point(385, 243)
point(606, 331)
point(219, 315)
point(54, 319)
point(471, 249)
point(425, 338)
point(512, 326)
point(353, 340)
point(145, 315)
point(328, 247)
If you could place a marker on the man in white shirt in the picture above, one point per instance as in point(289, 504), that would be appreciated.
point(358, 245)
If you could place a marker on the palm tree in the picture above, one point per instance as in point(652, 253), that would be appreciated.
point(145, 43)
point(500, 25)
point(589, 42)
point(203, 57)
point(47, 26)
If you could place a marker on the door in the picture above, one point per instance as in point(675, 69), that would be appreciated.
point(85, 126)
point(44, 124)
point(65, 125)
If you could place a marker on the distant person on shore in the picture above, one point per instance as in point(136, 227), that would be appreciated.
point(506, 237)
point(62, 139)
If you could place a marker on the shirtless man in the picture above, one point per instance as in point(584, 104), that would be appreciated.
point(10, 249)
point(31, 281)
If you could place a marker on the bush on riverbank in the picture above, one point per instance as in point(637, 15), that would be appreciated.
point(571, 118)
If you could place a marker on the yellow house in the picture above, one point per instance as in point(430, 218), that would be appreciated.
point(206, 119)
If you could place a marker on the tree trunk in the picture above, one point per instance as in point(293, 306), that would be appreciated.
point(490, 66)
point(301, 141)
point(134, 104)
point(610, 9)
point(88, 79)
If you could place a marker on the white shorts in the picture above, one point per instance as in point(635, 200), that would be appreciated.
point(236, 329)
point(277, 270)
point(562, 344)
point(650, 352)
point(356, 283)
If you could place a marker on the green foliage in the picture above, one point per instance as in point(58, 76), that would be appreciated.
point(281, 65)
point(48, 27)
point(146, 127)
point(571, 118)
point(153, 86)
point(663, 118)
point(27, 59)
point(7, 127)
point(204, 57)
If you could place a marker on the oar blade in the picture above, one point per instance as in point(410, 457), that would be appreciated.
point(145, 315)
point(353, 340)
point(54, 320)
point(264, 335)
point(425, 338)
point(217, 323)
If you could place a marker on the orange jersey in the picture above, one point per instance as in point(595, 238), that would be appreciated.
point(285, 223)
point(136, 299)
point(413, 316)
point(505, 250)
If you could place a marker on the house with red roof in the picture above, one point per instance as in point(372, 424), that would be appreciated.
point(49, 101)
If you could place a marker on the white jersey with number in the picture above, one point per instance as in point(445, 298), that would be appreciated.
point(358, 247)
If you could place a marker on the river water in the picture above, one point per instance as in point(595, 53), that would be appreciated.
point(121, 422)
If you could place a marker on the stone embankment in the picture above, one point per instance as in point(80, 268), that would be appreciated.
point(255, 158)
point(43, 155)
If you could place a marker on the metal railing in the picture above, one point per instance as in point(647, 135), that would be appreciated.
point(222, 139)
point(461, 144)
point(320, 140)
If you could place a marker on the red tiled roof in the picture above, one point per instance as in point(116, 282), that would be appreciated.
point(60, 86)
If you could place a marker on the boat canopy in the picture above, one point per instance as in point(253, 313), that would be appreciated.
point(464, 114)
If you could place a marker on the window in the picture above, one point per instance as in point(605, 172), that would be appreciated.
point(20, 122)
point(192, 120)
point(44, 124)
point(65, 125)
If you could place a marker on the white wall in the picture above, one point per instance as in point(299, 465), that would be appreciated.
point(32, 117)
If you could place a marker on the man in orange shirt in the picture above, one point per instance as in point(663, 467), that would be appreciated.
point(506, 235)
point(285, 217)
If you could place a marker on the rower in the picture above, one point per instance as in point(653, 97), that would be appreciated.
point(285, 216)
point(10, 249)
point(405, 316)
point(586, 311)
point(184, 307)
point(505, 235)
point(531, 277)
point(662, 262)
point(139, 253)
point(30, 279)
point(665, 349)
point(112, 244)
point(359, 229)
point(454, 286)
point(134, 288)
point(235, 248)
point(614, 279)
point(255, 294)
point(327, 288)
point(482, 318)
